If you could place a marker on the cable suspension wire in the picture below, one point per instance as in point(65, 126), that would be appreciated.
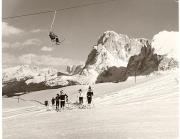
point(67, 8)
point(53, 20)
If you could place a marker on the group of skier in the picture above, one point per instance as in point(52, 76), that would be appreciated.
point(89, 96)
point(61, 99)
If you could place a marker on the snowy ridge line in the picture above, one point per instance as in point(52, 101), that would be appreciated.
point(126, 95)
point(24, 114)
point(153, 81)
point(51, 110)
point(129, 95)
point(145, 99)
point(138, 100)
point(4, 118)
point(40, 110)
point(11, 110)
point(45, 112)
point(32, 100)
point(23, 111)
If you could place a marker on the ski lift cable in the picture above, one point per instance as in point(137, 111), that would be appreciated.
point(53, 20)
point(67, 8)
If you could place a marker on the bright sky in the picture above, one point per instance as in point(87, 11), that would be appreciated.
point(26, 41)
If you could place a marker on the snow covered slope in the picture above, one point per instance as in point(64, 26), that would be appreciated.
point(145, 110)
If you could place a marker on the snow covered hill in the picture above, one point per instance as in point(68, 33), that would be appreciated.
point(147, 109)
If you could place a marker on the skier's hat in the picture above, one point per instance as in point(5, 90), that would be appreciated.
point(89, 88)
point(80, 90)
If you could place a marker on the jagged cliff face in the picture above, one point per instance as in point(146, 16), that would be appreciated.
point(75, 69)
point(144, 63)
point(112, 49)
point(113, 74)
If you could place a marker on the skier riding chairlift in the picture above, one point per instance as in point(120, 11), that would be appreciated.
point(52, 35)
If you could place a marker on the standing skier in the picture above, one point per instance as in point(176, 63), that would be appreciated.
point(46, 103)
point(80, 94)
point(62, 99)
point(53, 102)
point(89, 95)
point(57, 102)
point(67, 101)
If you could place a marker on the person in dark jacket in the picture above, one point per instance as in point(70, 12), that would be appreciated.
point(66, 98)
point(54, 37)
point(57, 102)
point(80, 94)
point(46, 103)
point(89, 95)
point(67, 101)
point(62, 99)
point(53, 101)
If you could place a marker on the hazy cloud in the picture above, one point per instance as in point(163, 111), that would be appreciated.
point(35, 31)
point(40, 60)
point(10, 30)
point(29, 42)
point(45, 48)
point(46, 60)
point(11, 45)
point(32, 42)
point(16, 45)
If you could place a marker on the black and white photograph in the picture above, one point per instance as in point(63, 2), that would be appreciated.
point(90, 69)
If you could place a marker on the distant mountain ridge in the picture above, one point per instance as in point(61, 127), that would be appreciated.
point(27, 71)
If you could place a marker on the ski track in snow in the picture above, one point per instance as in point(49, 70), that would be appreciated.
point(35, 110)
point(11, 110)
point(135, 94)
point(22, 112)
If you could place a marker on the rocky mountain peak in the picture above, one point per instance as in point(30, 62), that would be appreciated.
point(112, 49)
point(111, 36)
